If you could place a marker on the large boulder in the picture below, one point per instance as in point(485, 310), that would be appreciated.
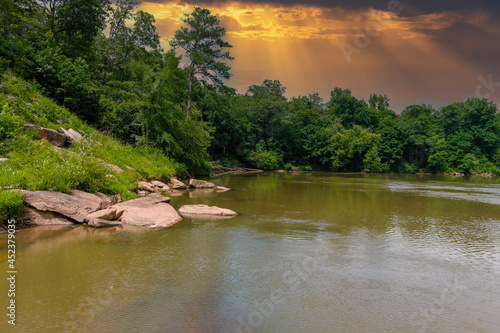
point(36, 217)
point(75, 207)
point(176, 184)
point(204, 210)
point(196, 183)
point(152, 211)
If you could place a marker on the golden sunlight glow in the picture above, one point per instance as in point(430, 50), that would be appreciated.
point(301, 46)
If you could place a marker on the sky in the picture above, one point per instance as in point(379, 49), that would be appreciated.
point(414, 51)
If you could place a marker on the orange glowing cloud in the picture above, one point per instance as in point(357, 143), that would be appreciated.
point(413, 59)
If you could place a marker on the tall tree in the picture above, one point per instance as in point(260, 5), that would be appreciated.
point(201, 40)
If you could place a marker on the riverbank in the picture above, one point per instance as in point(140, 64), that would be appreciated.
point(45, 147)
point(151, 210)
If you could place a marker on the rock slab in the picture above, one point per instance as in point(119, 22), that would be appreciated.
point(74, 207)
point(176, 184)
point(104, 218)
point(152, 211)
point(36, 217)
point(196, 183)
point(204, 210)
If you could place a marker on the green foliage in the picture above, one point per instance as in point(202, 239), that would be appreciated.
point(438, 161)
point(349, 109)
point(11, 126)
point(11, 205)
point(349, 148)
point(265, 159)
point(268, 88)
point(373, 162)
point(288, 167)
point(409, 168)
point(390, 148)
point(75, 23)
point(469, 164)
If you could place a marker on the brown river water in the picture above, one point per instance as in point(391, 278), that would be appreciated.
point(309, 252)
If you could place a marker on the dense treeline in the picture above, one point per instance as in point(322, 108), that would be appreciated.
point(347, 134)
point(104, 62)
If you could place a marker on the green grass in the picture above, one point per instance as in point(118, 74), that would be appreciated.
point(11, 205)
point(34, 164)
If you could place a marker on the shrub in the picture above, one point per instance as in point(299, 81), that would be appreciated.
point(409, 168)
point(288, 167)
point(265, 159)
point(469, 164)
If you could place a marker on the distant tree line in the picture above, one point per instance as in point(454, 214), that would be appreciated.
point(103, 61)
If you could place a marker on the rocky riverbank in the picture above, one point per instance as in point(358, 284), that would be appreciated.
point(151, 210)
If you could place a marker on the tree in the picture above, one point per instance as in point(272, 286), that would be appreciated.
point(268, 88)
point(203, 45)
point(390, 148)
point(349, 109)
point(127, 42)
point(19, 30)
point(76, 23)
point(351, 148)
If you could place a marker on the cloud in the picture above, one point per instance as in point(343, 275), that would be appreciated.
point(427, 54)
point(411, 7)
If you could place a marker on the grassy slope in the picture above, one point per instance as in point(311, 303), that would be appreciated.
point(34, 164)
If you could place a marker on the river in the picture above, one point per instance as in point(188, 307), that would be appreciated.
point(309, 252)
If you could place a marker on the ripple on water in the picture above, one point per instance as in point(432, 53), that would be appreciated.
point(489, 194)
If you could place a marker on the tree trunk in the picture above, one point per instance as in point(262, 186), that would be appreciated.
point(191, 79)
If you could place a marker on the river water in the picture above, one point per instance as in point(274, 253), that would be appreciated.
point(309, 252)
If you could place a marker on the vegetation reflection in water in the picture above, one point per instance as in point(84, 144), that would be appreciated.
point(309, 253)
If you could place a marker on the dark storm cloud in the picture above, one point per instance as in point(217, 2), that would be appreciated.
point(410, 7)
